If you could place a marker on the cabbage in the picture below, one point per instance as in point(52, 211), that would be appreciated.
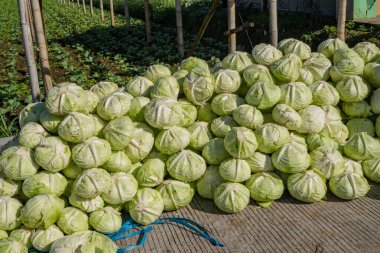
point(305, 76)
point(189, 111)
point(8, 187)
point(214, 152)
point(353, 89)
point(349, 186)
point(31, 113)
point(91, 153)
point(105, 220)
point(198, 86)
point(50, 121)
point(146, 206)
point(263, 95)
point(324, 93)
point(346, 63)
point(358, 125)
point(240, 142)
point(235, 170)
point(136, 112)
point(319, 67)
point(31, 134)
point(114, 105)
point(155, 72)
point(76, 127)
point(72, 171)
point(139, 86)
point(248, 116)
point(163, 113)
point(335, 130)
point(329, 46)
point(141, 143)
point(351, 166)
point(372, 73)
point(312, 119)
point(221, 126)
point(362, 146)
point(271, 137)
point(151, 173)
point(358, 109)
point(92, 102)
point(371, 168)
point(291, 158)
point(265, 54)
point(119, 132)
point(317, 140)
point(237, 61)
point(368, 51)
point(200, 134)
point(43, 238)
point(293, 46)
point(186, 166)
point(23, 235)
point(92, 182)
point(257, 74)
point(165, 87)
point(286, 69)
point(10, 210)
point(180, 77)
point(193, 62)
point(99, 125)
point(375, 101)
point(84, 204)
point(265, 187)
point(175, 194)
point(377, 126)
point(298, 138)
point(332, 113)
point(17, 163)
point(296, 95)
point(226, 81)
point(259, 162)
point(307, 186)
point(224, 104)
point(231, 197)
point(117, 162)
point(73, 220)
point(66, 99)
point(207, 184)
point(286, 116)
point(41, 211)
point(205, 113)
point(102, 89)
point(4, 234)
point(123, 188)
point(44, 183)
point(10, 245)
point(327, 162)
point(172, 140)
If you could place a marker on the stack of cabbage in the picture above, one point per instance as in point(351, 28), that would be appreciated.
point(250, 127)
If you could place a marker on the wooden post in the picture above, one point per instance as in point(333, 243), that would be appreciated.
point(101, 10)
point(112, 14)
point(341, 19)
point(92, 8)
point(231, 25)
point(29, 54)
point(178, 13)
point(273, 22)
point(148, 25)
point(41, 41)
point(84, 6)
point(127, 16)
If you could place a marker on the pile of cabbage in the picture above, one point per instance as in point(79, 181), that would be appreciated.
point(250, 127)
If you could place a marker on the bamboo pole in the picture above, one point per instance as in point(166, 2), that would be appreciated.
point(148, 24)
point(84, 6)
point(30, 20)
point(273, 22)
point(127, 16)
point(178, 12)
point(112, 14)
point(41, 41)
point(78, 3)
point(341, 19)
point(101, 10)
point(29, 54)
point(92, 8)
point(231, 25)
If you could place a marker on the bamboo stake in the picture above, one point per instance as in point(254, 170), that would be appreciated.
point(273, 22)
point(148, 24)
point(127, 16)
point(30, 20)
point(29, 54)
point(84, 6)
point(178, 12)
point(92, 8)
point(41, 41)
point(231, 25)
point(112, 14)
point(341, 19)
point(78, 3)
point(101, 10)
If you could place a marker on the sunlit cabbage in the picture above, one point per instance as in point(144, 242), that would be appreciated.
point(11, 245)
point(317, 140)
point(324, 93)
point(313, 119)
point(91, 103)
point(353, 89)
point(72, 220)
point(156, 154)
point(231, 197)
point(305, 76)
point(92, 183)
point(248, 116)
point(114, 105)
point(165, 87)
point(291, 158)
point(198, 86)
point(335, 130)
point(257, 74)
point(4, 234)
point(362, 146)
point(186, 166)
point(91, 153)
point(172, 140)
point(259, 162)
point(84, 204)
point(351, 166)
point(265, 187)
point(193, 62)
point(357, 109)
point(105, 220)
point(327, 162)
point(332, 113)
point(43, 238)
point(17, 163)
point(200, 134)
point(123, 188)
point(329, 46)
point(76, 127)
point(141, 143)
point(175, 194)
point(53, 154)
point(240, 142)
point(263, 95)
point(72, 171)
point(99, 125)
point(31, 134)
point(117, 162)
point(298, 138)
point(42, 210)
point(214, 152)
point(50, 121)
point(319, 67)
point(224, 104)
point(357, 125)
point(102, 89)
point(10, 210)
point(66, 99)
point(307, 186)
point(23, 235)
point(31, 113)
point(372, 73)
point(296, 95)
point(163, 113)
point(221, 126)
point(226, 81)
point(119, 132)
point(8, 187)
point(293, 46)
point(180, 75)
point(136, 112)
point(265, 54)
point(151, 173)
point(235, 170)
point(139, 86)
point(375, 101)
point(147, 206)
point(237, 61)
point(189, 113)
point(346, 63)
point(207, 184)
point(286, 116)
point(368, 51)
point(349, 185)
point(44, 183)
point(271, 137)
point(371, 168)
point(205, 113)
point(155, 72)
point(286, 69)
